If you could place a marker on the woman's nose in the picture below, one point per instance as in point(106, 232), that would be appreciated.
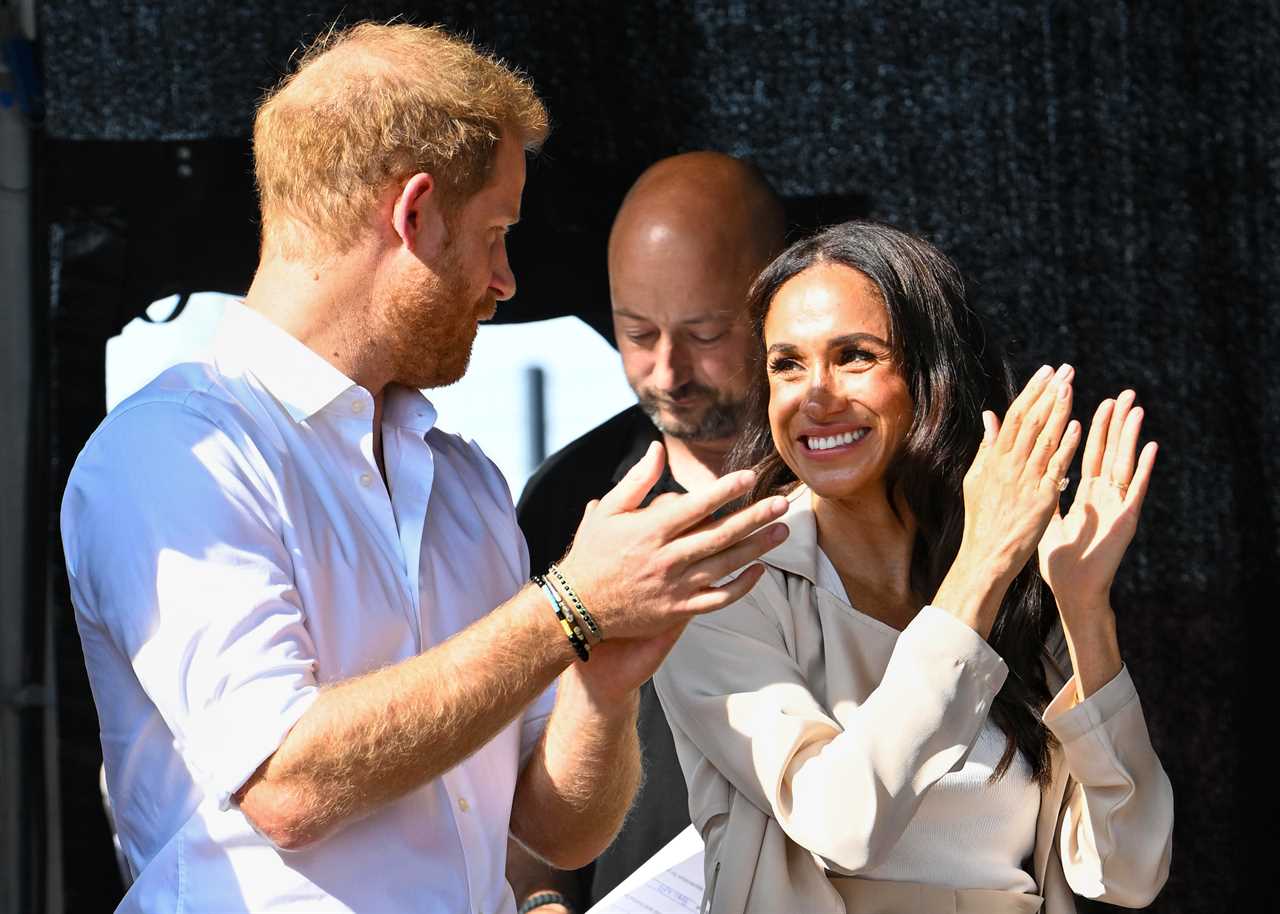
point(821, 401)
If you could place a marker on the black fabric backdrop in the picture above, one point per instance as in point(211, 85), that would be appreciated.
point(1106, 176)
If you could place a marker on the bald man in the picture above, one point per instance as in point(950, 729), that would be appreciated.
point(689, 238)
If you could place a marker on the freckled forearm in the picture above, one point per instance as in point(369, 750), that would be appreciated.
point(590, 747)
point(576, 790)
point(369, 740)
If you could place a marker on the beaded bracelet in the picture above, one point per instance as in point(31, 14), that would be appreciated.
point(572, 632)
point(533, 902)
point(577, 603)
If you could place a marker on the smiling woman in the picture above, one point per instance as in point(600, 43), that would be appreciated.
point(828, 334)
point(848, 747)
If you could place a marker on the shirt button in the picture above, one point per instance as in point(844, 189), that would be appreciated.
point(366, 480)
point(463, 804)
point(357, 406)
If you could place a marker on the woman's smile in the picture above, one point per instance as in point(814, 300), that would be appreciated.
point(838, 405)
point(824, 444)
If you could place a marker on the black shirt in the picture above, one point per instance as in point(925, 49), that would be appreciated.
point(549, 512)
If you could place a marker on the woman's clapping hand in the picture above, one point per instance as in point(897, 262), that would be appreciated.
point(1011, 490)
point(1081, 550)
point(1010, 493)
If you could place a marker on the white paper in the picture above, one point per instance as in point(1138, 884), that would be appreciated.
point(669, 882)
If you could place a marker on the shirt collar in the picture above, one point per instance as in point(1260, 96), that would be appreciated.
point(408, 408)
point(798, 553)
point(302, 380)
point(642, 434)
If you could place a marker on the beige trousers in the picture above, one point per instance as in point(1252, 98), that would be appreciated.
point(874, 896)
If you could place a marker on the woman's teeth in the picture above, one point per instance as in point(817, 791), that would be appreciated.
point(825, 444)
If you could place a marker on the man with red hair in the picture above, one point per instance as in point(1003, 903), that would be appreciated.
point(323, 679)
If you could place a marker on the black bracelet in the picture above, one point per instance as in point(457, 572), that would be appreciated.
point(586, 617)
point(576, 639)
point(538, 900)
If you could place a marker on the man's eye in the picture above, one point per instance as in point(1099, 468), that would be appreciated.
point(709, 339)
point(639, 337)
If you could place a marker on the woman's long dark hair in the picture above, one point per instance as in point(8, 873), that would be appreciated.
point(953, 374)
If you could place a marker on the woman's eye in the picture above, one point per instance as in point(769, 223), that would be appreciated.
point(782, 365)
point(863, 356)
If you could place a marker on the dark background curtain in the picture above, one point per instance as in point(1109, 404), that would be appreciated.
point(1105, 174)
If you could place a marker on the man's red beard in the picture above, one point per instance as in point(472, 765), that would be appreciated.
point(430, 331)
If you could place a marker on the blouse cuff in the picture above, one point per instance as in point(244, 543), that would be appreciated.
point(1069, 723)
point(938, 639)
point(967, 647)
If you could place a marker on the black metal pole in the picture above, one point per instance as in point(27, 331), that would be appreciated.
point(536, 400)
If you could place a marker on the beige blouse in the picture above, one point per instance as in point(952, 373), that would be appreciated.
point(808, 745)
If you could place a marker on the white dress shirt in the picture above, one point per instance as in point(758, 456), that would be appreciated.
point(231, 547)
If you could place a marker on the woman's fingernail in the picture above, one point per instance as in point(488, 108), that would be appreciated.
point(1064, 372)
point(779, 533)
point(1044, 372)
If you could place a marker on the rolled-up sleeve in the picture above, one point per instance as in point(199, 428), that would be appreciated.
point(1116, 833)
point(842, 786)
point(176, 552)
point(534, 721)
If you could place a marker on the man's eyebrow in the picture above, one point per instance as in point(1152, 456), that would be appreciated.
point(708, 317)
point(704, 318)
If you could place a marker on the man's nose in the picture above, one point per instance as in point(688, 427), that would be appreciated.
point(503, 282)
point(669, 364)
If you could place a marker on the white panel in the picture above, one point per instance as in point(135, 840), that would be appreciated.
point(584, 380)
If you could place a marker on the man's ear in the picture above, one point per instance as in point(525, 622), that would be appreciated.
point(418, 218)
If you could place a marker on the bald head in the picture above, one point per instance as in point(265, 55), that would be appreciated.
point(690, 237)
point(703, 204)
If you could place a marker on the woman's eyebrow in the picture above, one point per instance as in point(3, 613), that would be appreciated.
point(844, 340)
point(850, 338)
